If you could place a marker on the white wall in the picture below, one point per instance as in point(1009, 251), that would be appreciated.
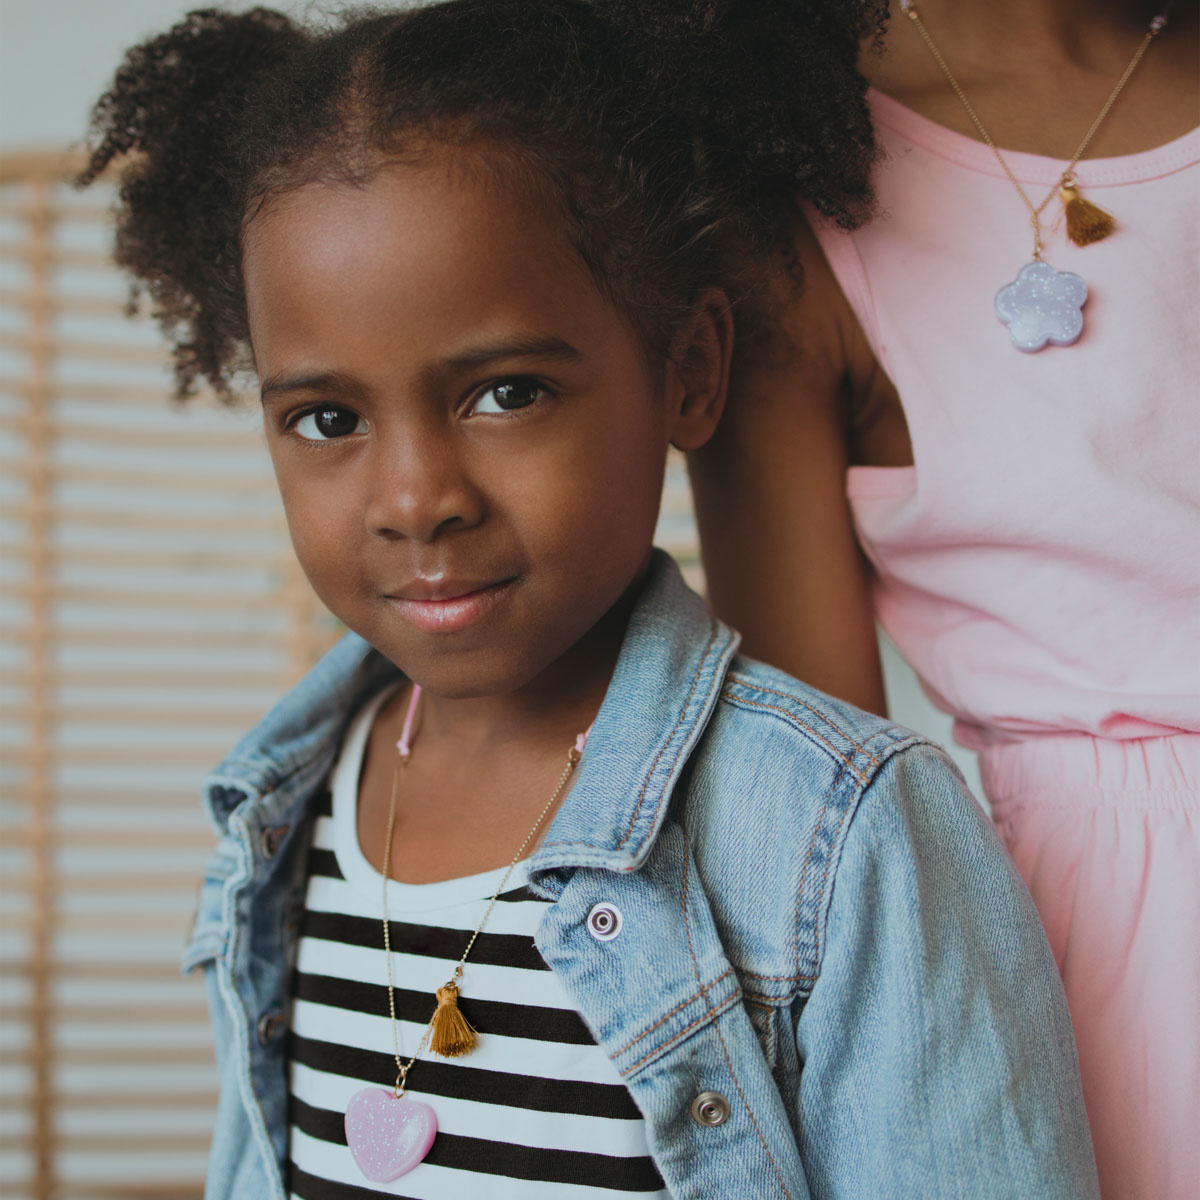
point(56, 56)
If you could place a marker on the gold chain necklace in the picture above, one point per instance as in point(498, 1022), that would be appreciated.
point(1043, 305)
point(389, 1133)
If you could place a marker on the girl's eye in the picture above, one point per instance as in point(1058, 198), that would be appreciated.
point(507, 395)
point(325, 424)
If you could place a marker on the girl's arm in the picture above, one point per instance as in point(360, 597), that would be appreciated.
point(782, 561)
point(938, 1057)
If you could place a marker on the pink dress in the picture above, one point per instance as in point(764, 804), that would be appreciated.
point(1039, 567)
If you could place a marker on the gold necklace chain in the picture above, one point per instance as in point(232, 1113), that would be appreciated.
point(909, 9)
point(403, 1068)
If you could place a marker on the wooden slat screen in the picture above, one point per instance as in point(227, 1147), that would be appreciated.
point(150, 610)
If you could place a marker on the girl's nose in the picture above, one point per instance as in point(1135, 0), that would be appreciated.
point(421, 491)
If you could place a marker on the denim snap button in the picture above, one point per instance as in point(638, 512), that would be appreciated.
point(604, 921)
point(710, 1108)
point(269, 1024)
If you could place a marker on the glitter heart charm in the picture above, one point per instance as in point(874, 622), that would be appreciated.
point(388, 1137)
point(1042, 305)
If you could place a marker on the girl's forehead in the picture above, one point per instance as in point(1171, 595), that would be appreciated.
point(471, 184)
point(397, 210)
point(415, 254)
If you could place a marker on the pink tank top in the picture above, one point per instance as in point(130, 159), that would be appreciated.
point(1039, 566)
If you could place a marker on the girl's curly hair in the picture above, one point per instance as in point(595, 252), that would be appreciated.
point(676, 137)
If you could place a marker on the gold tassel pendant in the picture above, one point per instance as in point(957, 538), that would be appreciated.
point(1086, 222)
point(453, 1035)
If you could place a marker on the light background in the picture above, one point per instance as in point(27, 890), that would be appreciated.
point(56, 56)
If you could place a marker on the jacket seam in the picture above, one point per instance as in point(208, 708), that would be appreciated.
point(860, 747)
point(667, 1016)
point(817, 935)
point(761, 1000)
point(792, 719)
point(847, 764)
point(712, 636)
point(716, 1028)
point(812, 841)
point(850, 808)
point(679, 1035)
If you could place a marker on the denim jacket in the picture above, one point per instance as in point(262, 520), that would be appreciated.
point(829, 981)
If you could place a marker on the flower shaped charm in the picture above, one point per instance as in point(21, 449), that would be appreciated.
point(1042, 305)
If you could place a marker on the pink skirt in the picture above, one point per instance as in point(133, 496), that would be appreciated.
point(1107, 836)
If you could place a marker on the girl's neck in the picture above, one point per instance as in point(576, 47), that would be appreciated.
point(1038, 71)
point(544, 715)
point(483, 768)
point(1085, 31)
point(550, 711)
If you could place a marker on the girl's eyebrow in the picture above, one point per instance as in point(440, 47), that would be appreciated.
point(473, 357)
point(515, 347)
point(317, 381)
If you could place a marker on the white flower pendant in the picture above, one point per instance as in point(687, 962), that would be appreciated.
point(1042, 305)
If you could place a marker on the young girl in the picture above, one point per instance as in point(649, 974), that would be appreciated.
point(535, 887)
point(1030, 515)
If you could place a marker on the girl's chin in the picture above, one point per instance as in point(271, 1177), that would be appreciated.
point(464, 675)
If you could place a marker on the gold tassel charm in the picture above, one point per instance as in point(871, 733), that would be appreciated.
point(1086, 222)
point(452, 1034)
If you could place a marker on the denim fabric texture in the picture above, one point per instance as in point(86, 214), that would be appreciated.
point(818, 924)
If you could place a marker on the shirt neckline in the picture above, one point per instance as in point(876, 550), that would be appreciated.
point(356, 868)
point(1175, 155)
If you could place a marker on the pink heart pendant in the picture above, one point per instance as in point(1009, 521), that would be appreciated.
point(388, 1137)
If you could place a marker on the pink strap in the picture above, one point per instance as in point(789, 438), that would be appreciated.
point(404, 745)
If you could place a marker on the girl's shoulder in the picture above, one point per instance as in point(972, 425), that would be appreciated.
point(768, 714)
point(795, 796)
point(803, 758)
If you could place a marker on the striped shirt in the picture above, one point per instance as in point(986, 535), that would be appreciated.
point(536, 1112)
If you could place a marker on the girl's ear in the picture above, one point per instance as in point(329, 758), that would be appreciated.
point(697, 377)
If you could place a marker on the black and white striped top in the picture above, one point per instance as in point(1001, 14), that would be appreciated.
point(536, 1112)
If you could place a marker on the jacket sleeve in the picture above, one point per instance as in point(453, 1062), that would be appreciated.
point(938, 1058)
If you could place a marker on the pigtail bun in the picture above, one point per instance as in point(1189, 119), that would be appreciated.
point(177, 110)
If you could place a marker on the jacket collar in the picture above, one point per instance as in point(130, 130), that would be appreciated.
point(293, 747)
point(666, 683)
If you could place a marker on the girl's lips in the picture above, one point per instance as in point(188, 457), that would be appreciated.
point(452, 613)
